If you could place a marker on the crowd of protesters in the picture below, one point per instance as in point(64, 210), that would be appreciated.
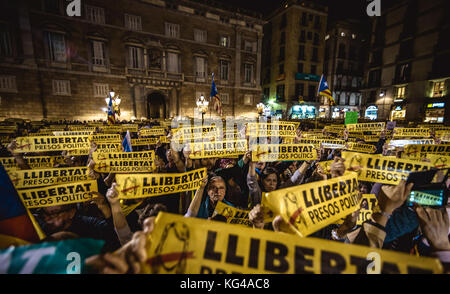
point(238, 182)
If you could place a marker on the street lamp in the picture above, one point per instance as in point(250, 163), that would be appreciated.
point(115, 102)
point(260, 107)
point(202, 105)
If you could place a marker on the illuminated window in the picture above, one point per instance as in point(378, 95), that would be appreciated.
point(400, 92)
point(438, 89)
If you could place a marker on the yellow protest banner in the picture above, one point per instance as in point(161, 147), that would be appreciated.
point(59, 194)
point(106, 138)
point(285, 152)
point(148, 185)
point(365, 127)
point(109, 147)
point(73, 133)
point(421, 151)
point(325, 143)
point(132, 128)
point(271, 129)
point(311, 207)
point(411, 132)
point(403, 143)
point(443, 135)
point(326, 166)
point(185, 245)
point(439, 161)
point(195, 133)
point(379, 169)
point(81, 128)
point(163, 140)
point(233, 215)
point(222, 149)
point(371, 138)
point(32, 161)
point(146, 132)
point(111, 129)
point(51, 143)
point(334, 129)
point(369, 205)
point(45, 177)
point(144, 141)
point(124, 162)
point(359, 147)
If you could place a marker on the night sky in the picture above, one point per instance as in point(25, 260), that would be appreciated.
point(338, 9)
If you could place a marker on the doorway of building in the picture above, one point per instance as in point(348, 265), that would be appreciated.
point(156, 106)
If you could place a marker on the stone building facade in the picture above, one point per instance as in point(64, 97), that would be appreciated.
point(345, 55)
point(157, 55)
point(408, 71)
point(293, 56)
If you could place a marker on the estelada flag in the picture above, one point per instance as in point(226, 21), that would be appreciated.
point(215, 96)
point(325, 91)
point(111, 112)
point(15, 220)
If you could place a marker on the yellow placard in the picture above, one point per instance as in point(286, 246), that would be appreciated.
point(32, 161)
point(109, 147)
point(371, 138)
point(311, 207)
point(369, 205)
point(439, 161)
point(58, 195)
point(111, 129)
point(326, 143)
point(106, 138)
point(81, 128)
point(380, 169)
point(184, 245)
point(421, 151)
point(411, 132)
point(124, 162)
point(145, 132)
point(271, 130)
point(365, 127)
point(326, 166)
point(148, 185)
point(232, 214)
point(218, 149)
point(144, 141)
point(163, 140)
point(285, 152)
point(132, 128)
point(51, 143)
point(127, 209)
point(45, 177)
point(359, 147)
point(72, 133)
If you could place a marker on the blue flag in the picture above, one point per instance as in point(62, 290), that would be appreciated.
point(127, 143)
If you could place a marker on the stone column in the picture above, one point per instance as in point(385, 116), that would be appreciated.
point(258, 61)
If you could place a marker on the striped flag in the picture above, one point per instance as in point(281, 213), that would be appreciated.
point(215, 96)
point(325, 91)
point(15, 220)
point(111, 115)
point(126, 144)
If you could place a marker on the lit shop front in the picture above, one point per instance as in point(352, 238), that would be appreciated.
point(339, 112)
point(434, 112)
point(371, 112)
point(303, 111)
point(398, 113)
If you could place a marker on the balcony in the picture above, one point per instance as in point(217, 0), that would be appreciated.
point(400, 80)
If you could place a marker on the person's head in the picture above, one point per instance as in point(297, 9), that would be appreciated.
point(151, 210)
point(169, 155)
point(364, 188)
point(58, 218)
point(260, 165)
point(216, 189)
point(365, 204)
point(270, 179)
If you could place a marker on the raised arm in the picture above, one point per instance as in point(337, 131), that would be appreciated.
point(196, 202)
